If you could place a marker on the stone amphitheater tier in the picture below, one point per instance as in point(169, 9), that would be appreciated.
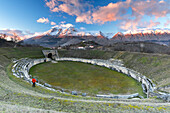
point(21, 70)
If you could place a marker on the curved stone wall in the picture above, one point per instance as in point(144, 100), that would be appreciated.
point(21, 69)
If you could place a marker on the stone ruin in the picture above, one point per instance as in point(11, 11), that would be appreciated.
point(21, 69)
point(52, 54)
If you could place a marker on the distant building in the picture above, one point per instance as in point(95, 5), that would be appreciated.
point(91, 46)
point(83, 48)
point(83, 45)
point(59, 47)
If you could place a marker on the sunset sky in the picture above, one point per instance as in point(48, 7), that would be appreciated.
point(30, 17)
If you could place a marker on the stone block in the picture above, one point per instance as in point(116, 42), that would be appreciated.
point(62, 90)
point(47, 85)
point(84, 94)
point(74, 92)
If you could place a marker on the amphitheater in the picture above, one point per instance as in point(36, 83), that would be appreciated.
point(101, 103)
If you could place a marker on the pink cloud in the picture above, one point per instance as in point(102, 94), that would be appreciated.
point(86, 13)
point(111, 12)
point(140, 8)
point(72, 7)
point(118, 11)
point(136, 24)
point(86, 17)
point(53, 23)
point(12, 33)
point(56, 9)
point(62, 22)
point(162, 1)
point(167, 23)
point(130, 24)
point(153, 24)
point(151, 8)
point(51, 4)
point(43, 20)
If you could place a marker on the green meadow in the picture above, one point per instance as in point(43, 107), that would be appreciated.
point(85, 78)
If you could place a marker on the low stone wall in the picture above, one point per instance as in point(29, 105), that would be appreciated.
point(119, 96)
point(164, 88)
point(160, 95)
point(21, 70)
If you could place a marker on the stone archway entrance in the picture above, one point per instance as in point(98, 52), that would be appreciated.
point(50, 55)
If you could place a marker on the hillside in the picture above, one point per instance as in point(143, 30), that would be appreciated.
point(16, 95)
point(4, 43)
point(53, 41)
point(145, 47)
point(154, 66)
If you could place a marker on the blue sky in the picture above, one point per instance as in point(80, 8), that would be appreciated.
point(108, 16)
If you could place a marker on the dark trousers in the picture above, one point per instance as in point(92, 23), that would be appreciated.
point(33, 85)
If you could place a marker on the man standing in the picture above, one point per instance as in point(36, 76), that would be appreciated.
point(33, 81)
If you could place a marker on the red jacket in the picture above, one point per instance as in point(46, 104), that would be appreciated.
point(33, 80)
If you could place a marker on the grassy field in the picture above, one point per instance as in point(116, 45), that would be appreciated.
point(85, 78)
point(154, 66)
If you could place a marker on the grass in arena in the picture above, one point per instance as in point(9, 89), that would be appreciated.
point(85, 78)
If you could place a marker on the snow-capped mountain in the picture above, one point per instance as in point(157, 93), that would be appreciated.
point(10, 37)
point(142, 36)
point(60, 32)
point(71, 31)
point(62, 37)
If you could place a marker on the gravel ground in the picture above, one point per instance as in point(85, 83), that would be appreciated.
point(9, 108)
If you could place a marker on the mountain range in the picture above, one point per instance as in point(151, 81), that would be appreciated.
point(63, 37)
